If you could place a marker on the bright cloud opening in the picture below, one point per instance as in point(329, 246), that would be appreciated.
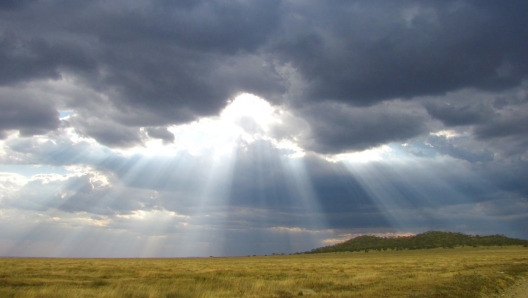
point(366, 156)
point(246, 119)
point(250, 112)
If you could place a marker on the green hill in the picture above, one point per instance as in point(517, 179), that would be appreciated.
point(427, 240)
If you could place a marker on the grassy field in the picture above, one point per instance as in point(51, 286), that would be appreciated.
point(459, 272)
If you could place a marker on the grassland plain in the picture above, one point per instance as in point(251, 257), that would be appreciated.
point(459, 272)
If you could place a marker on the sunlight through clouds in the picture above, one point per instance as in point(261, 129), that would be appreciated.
point(241, 172)
point(174, 135)
point(375, 154)
point(245, 119)
point(303, 195)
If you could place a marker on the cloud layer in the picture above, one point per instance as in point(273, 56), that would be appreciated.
point(126, 118)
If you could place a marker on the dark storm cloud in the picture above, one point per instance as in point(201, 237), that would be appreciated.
point(479, 121)
point(514, 124)
point(451, 115)
point(516, 97)
point(24, 60)
point(14, 4)
point(337, 128)
point(509, 176)
point(27, 115)
point(447, 78)
point(362, 53)
point(177, 61)
point(506, 132)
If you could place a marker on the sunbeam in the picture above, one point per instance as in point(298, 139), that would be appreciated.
point(303, 196)
point(230, 184)
point(412, 191)
point(270, 126)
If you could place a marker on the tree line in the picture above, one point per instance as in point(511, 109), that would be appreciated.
point(427, 240)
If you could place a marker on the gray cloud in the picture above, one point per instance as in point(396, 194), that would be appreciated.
point(337, 128)
point(108, 133)
point(363, 53)
point(347, 75)
point(177, 62)
point(263, 192)
point(14, 4)
point(460, 115)
point(160, 63)
point(160, 133)
point(86, 196)
point(461, 148)
point(27, 115)
point(39, 58)
point(513, 124)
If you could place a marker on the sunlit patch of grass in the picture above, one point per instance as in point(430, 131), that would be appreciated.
point(460, 272)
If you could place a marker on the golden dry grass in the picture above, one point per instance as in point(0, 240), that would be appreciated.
point(460, 272)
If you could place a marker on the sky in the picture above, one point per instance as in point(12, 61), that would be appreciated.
point(160, 128)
